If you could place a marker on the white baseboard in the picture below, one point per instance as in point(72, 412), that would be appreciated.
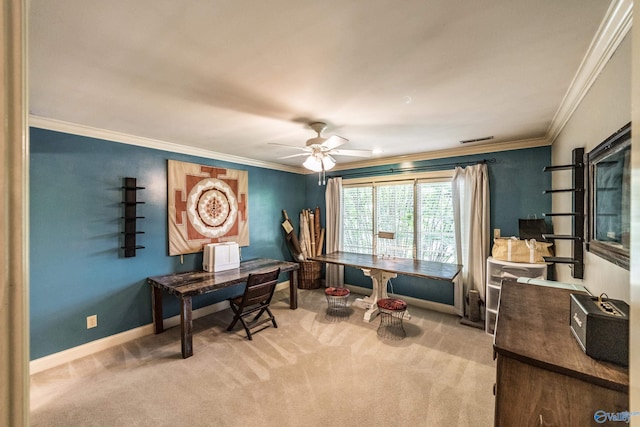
point(65, 356)
point(416, 302)
point(56, 359)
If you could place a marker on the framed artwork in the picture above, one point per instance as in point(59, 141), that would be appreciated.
point(609, 202)
point(206, 204)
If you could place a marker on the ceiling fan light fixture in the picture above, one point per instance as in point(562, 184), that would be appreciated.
point(320, 149)
point(319, 163)
point(328, 163)
point(313, 163)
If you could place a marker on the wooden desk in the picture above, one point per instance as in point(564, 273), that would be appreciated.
point(543, 377)
point(188, 284)
point(382, 269)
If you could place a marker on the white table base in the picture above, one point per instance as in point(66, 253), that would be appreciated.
point(379, 279)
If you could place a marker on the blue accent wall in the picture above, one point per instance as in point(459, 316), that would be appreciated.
point(516, 184)
point(77, 268)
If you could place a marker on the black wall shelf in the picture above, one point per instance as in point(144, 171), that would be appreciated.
point(130, 217)
point(577, 236)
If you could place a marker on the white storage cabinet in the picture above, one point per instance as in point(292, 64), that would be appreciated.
point(498, 270)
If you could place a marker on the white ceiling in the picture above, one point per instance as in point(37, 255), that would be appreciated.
point(230, 76)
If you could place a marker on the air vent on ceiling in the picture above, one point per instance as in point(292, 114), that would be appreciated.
point(486, 138)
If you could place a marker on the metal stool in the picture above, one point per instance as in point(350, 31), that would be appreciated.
point(337, 301)
point(391, 313)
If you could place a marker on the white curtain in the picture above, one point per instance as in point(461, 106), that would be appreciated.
point(471, 216)
point(333, 197)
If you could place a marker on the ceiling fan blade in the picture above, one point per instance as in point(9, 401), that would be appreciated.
point(356, 153)
point(334, 141)
point(294, 155)
point(289, 146)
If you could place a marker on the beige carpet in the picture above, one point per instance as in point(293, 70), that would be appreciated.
point(310, 371)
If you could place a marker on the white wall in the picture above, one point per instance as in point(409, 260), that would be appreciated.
point(605, 108)
point(634, 343)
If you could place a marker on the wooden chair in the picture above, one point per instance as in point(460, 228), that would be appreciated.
point(256, 298)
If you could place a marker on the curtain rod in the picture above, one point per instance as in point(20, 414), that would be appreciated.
point(414, 168)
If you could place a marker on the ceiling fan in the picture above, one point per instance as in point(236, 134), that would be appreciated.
point(319, 150)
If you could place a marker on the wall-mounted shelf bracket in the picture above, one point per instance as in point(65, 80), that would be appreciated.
point(577, 236)
point(130, 217)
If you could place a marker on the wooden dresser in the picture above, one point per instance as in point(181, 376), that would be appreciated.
point(543, 376)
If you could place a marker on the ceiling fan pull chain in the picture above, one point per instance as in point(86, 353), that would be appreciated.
point(322, 176)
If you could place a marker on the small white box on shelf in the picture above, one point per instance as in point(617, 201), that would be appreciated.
point(221, 256)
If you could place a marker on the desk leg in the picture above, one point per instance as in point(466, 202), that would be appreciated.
point(156, 310)
point(293, 289)
point(379, 281)
point(186, 327)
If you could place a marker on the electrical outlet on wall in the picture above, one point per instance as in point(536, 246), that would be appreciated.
point(496, 233)
point(92, 321)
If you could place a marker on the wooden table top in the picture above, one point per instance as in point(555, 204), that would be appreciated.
point(533, 327)
point(200, 282)
point(409, 267)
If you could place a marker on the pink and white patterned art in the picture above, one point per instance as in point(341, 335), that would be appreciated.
point(206, 204)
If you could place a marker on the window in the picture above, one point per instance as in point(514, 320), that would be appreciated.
point(405, 218)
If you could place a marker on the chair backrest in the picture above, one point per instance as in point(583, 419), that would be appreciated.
point(260, 288)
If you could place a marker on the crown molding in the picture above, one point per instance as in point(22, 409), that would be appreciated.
point(452, 152)
point(107, 135)
point(614, 27)
point(91, 132)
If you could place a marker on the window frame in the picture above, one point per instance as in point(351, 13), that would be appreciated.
point(385, 180)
